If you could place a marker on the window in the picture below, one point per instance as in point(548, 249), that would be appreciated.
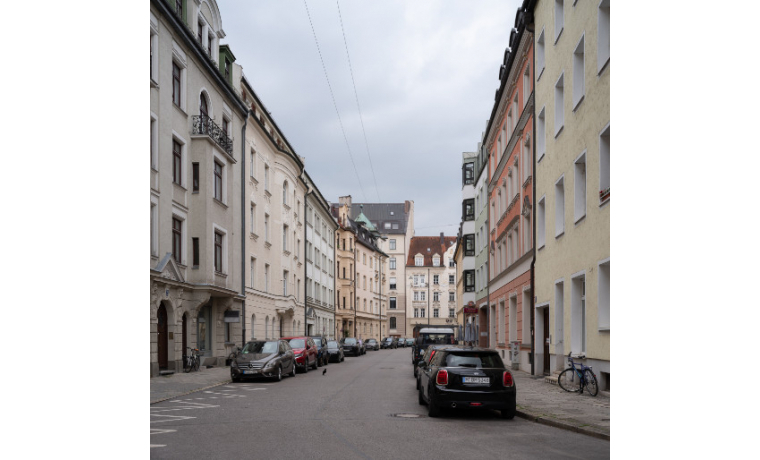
point(178, 7)
point(153, 48)
point(176, 84)
point(218, 251)
point(451, 263)
point(422, 312)
point(418, 261)
point(266, 177)
point(393, 322)
point(604, 296)
point(603, 35)
point(604, 165)
point(392, 244)
point(579, 79)
point(416, 312)
point(284, 237)
point(387, 225)
point(393, 283)
point(541, 217)
point(526, 84)
point(469, 281)
point(266, 227)
point(579, 182)
point(541, 133)
point(196, 177)
point(559, 18)
point(540, 55)
point(435, 313)
point(218, 181)
point(285, 193)
point(436, 261)
point(392, 304)
point(435, 279)
point(469, 245)
point(452, 295)
point(512, 319)
point(153, 229)
point(468, 209)
point(204, 107)
point(435, 297)
point(253, 272)
point(559, 312)
point(253, 163)
point(266, 277)
point(253, 218)
point(559, 105)
point(451, 279)
point(578, 315)
point(392, 263)
point(285, 282)
point(468, 173)
point(451, 312)
point(177, 240)
point(559, 207)
point(176, 162)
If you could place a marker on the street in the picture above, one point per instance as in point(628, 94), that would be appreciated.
point(352, 411)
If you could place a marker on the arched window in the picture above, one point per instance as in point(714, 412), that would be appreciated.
point(285, 192)
point(204, 107)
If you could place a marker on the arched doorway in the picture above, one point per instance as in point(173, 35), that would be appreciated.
point(162, 337)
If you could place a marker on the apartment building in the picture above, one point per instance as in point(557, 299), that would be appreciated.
point(430, 281)
point(572, 274)
point(196, 122)
point(481, 243)
point(466, 239)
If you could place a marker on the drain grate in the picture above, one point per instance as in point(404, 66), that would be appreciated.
point(407, 415)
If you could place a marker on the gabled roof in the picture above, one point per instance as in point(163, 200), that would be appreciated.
point(381, 213)
point(435, 244)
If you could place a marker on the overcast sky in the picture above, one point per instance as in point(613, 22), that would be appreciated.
point(425, 72)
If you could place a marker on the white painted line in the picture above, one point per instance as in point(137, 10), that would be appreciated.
point(172, 418)
point(157, 445)
point(159, 431)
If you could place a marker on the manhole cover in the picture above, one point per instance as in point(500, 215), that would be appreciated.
point(407, 415)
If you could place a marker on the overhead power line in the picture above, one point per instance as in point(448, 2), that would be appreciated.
point(356, 94)
point(324, 68)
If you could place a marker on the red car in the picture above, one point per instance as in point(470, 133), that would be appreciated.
point(305, 351)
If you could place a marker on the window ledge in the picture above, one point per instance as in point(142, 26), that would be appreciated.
point(606, 65)
point(254, 236)
point(153, 168)
point(253, 179)
point(575, 107)
point(286, 252)
point(556, 135)
point(559, 234)
point(222, 274)
point(579, 219)
point(286, 206)
point(267, 244)
point(153, 83)
point(556, 39)
point(540, 72)
point(266, 192)
point(541, 247)
point(180, 109)
point(541, 157)
point(220, 203)
point(180, 186)
point(604, 329)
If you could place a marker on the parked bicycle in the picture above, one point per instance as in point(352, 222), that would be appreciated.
point(193, 360)
point(578, 376)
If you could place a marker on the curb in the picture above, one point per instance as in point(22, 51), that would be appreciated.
point(564, 426)
point(191, 391)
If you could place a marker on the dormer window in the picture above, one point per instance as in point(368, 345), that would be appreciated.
point(436, 261)
point(419, 261)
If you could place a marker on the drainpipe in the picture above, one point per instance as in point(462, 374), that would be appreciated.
point(305, 261)
point(356, 306)
point(428, 308)
point(533, 224)
point(242, 213)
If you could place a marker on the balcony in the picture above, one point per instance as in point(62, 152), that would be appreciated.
point(205, 126)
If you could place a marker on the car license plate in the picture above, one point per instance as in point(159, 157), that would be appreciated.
point(478, 380)
point(250, 372)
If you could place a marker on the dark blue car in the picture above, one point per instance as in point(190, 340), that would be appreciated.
point(323, 357)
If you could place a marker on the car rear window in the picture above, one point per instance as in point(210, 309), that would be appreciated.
point(318, 342)
point(332, 344)
point(442, 339)
point(350, 342)
point(474, 360)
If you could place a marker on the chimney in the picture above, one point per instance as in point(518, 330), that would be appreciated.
point(443, 242)
point(345, 200)
point(407, 206)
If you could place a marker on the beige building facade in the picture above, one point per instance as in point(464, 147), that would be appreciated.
point(431, 281)
point(572, 94)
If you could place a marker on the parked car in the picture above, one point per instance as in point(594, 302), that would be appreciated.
point(372, 344)
point(322, 357)
point(362, 348)
point(390, 342)
point(409, 341)
point(351, 346)
point(335, 351)
point(386, 342)
point(429, 353)
point(305, 351)
point(433, 335)
point(261, 358)
point(401, 342)
point(467, 378)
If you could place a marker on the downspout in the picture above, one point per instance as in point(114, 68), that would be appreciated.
point(428, 308)
point(242, 214)
point(305, 261)
point(533, 224)
point(356, 240)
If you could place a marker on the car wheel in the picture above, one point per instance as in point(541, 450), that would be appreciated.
point(293, 372)
point(418, 383)
point(305, 366)
point(319, 362)
point(342, 358)
point(316, 363)
point(509, 414)
point(235, 379)
point(278, 377)
point(433, 409)
point(420, 399)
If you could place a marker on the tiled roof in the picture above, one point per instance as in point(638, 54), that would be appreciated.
point(436, 244)
point(381, 213)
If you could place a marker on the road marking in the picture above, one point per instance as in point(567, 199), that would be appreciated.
point(159, 431)
point(157, 445)
point(172, 418)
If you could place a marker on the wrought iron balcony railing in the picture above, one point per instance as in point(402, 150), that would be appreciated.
point(204, 125)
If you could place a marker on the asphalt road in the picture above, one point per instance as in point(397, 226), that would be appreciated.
point(350, 412)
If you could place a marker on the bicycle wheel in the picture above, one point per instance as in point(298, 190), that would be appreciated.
point(591, 385)
point(196, 363)
point(569, 381)
point(188, 364)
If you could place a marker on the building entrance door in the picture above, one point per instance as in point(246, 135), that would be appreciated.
point(546, 341)
point(163, 338)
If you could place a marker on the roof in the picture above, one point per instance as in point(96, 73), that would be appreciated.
point(381, 213)
point(362, 218)
point(428, 246)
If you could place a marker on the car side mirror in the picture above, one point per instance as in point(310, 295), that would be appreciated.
point(421, 363)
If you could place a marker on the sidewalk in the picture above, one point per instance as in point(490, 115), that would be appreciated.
point(537, 400)
point(542, 402)
point(172, 386)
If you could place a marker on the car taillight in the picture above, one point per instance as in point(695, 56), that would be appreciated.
point(432, 353)
point(508, 382)
point(442, 378)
